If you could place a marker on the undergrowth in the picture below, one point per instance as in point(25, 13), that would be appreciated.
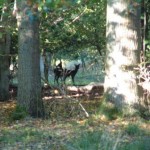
point(18, 113)
point(115, 132)
point(104, 140)
point(133, 129)
point(109, 110)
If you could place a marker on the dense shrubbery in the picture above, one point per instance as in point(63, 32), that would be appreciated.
point(18, 113)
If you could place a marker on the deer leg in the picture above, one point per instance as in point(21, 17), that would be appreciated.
point(73, 80)
point(64, 79)
point(56, 79)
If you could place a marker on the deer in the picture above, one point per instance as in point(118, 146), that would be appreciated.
point(71, 73)
point(59, 72)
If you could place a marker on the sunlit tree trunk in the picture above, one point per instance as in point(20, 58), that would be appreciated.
point(29, 77)
point(123, 51)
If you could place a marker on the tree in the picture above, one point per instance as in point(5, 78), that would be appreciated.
point(29, 77)
point(69, 30)
point(5, 41)
point(47, 64)
point(4, 65)
point(146, 28)
point(123, 53)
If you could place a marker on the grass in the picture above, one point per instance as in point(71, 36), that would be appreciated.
point(24, 135)
point(88, 134)
point(109, 111)
point(104, 140)
point(18, 113)
point(133, 129)
point(28, 137)
point(93, 133)
point(83, 140)
point(93, 140)
point(139, 144)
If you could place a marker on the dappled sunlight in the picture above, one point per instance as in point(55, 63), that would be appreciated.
point(115, 11)
point(52, 133)
point(122, 56)
point(6, 109)
point(124, 88)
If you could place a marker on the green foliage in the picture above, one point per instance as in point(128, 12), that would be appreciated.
point(73, 28)
point(109, 110)
point(20, 112)
point(24, 135)
point(104, 140)
point(86, 141)
point(133, 129)
point(98, 140)
point(83, 134)
point(140, 144)
point(144, 113)
point(1, 2)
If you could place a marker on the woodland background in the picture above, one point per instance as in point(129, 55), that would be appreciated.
point(108, 108)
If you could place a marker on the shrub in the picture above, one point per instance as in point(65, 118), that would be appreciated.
point(133, 129)
point(109, 110)
point(19, 113)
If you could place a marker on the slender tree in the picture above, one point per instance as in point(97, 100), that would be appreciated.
point(4, 65)
point(123, 53)
point(29, 77)
point(5, 41)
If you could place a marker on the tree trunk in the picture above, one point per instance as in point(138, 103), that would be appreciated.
point(5, 41)
point(29, 77)
point(47, 64)
point(123, 51)
point(4, 65)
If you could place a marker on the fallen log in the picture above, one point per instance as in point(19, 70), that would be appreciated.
point(90, 90)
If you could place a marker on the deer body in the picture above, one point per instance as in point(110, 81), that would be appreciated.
point(71, 73)
point(59, 72)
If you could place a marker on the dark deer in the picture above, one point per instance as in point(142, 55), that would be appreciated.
point(71, 73)
point(58, 72)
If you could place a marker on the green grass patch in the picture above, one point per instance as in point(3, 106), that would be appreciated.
point(85, 141)
point(24, 135)
point(109, 110)
point(138, 144)
point(18, 113)
point(133, 129)
point(105, 140)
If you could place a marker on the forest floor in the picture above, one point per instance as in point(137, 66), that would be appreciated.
point(67, 126)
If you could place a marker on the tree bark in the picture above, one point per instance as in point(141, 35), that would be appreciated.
point(47, 64)
point(29, 77)
point(5, 41)
point(4, 65)
point(123, 51)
